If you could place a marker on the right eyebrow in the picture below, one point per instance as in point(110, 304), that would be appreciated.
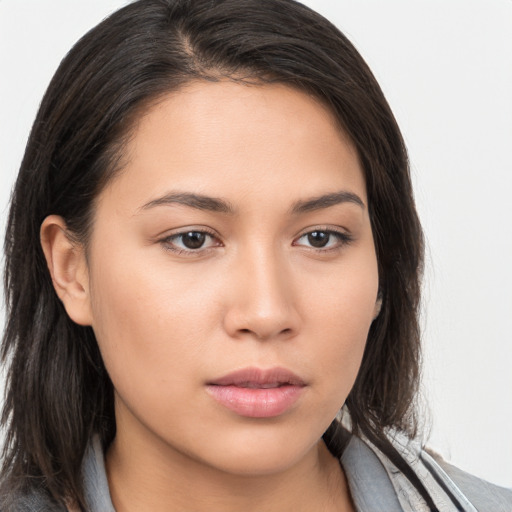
point(198, 201)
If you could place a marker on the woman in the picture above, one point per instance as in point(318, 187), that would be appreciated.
point(222, 252)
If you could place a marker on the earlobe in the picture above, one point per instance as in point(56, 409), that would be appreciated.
point(68, 269)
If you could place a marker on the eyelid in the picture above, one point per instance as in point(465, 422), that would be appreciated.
point(165, 240)
point(344, 236)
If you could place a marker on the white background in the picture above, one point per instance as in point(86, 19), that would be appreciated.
point(446, 69)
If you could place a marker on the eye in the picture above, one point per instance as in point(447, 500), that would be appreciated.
point(323, 239)
point(190, 241)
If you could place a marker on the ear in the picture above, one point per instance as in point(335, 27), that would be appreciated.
point(68, 268)
point(378, 306)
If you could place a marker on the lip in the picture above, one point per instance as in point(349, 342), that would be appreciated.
point(257, 393)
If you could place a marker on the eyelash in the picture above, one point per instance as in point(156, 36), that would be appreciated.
point(344, 239)
point(168, 242)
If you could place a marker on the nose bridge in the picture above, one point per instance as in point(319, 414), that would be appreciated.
point(263, 302)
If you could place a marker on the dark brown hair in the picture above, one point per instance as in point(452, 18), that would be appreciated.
point(58, 392)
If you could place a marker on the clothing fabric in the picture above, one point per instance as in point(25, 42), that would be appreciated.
point(375, 483)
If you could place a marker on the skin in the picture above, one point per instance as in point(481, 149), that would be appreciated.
point(257, 294)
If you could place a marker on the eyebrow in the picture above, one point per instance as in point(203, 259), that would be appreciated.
point(198, 201)
point(215, 204)
point(326, 201)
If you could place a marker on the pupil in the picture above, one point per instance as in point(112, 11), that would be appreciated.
point(193, 239)
point(318, 238)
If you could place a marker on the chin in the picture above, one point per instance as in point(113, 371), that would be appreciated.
point(262, 453)
point(258, 464)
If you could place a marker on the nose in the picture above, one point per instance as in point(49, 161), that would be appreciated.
point(262, 304)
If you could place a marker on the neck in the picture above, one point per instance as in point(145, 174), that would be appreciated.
point(145, 476)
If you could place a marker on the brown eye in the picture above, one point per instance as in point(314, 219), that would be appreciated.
point(324, 239)
point(318, 239)
point(191, 242)
point(193, 239)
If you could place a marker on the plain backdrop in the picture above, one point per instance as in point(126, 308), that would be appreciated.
point(446, 69)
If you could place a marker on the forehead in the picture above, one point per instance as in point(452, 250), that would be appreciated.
point(238, 140)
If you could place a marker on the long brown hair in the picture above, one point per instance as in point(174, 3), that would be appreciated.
point(58, 392)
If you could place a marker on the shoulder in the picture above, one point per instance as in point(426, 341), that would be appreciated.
point(448, 484)
point(375, 481)
point(483, 495)
point(35, 501)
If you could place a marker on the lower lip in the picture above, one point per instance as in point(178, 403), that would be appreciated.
point(256, 403)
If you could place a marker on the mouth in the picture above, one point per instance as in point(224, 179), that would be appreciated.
point(257, 393)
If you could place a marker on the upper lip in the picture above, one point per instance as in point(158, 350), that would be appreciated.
point(258, 378)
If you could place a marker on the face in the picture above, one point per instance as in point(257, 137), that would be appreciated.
point(232, 276)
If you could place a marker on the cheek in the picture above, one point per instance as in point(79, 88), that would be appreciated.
point(339, 316)
point(149, 323)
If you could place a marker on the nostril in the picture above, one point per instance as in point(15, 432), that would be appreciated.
point(285, 332)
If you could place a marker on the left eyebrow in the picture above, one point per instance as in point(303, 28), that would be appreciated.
point(326, 201)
